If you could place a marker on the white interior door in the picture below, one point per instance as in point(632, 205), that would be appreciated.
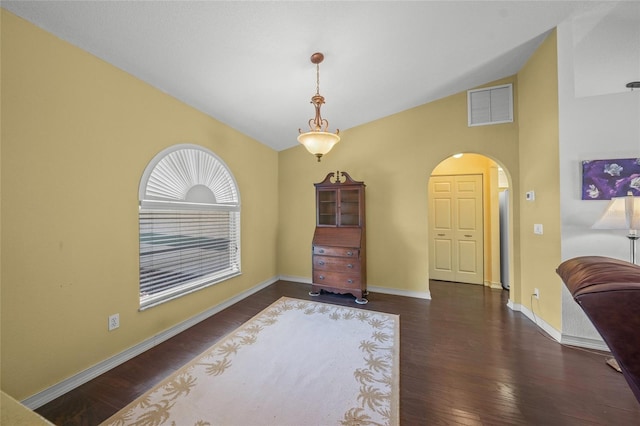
point(456, 228)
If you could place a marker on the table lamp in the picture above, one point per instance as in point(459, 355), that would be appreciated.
point(623, 213)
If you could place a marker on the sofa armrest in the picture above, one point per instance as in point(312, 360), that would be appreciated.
point(588, 274)
point(608, 291)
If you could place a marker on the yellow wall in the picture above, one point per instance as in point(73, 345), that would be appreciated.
point(540, 172)
point(77, 134)
point(394, 156)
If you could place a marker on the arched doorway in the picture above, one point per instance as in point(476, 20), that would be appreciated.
point(469, 222)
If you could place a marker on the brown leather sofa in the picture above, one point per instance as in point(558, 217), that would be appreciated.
point(608, 290)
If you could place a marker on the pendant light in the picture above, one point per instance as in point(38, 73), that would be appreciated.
point(318, 140)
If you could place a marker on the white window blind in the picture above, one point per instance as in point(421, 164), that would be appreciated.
point(189, 222)
point(491, 105)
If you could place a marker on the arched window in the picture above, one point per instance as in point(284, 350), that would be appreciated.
point(189, 224)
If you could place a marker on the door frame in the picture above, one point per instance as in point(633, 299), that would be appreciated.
point(495, 181)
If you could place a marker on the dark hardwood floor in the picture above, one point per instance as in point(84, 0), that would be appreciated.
point(465, 359)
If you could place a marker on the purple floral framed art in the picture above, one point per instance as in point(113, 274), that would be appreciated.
point(605, 179)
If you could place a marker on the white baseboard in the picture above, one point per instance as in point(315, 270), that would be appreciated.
point(583, 342)
point(76, 380)
point(555, 334)
point(303, 280)
point(373, 289)
point(563, 339)
point(398, 292)
point(496, 286)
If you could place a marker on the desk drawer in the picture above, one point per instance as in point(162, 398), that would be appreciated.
point(337, 279)
point(337, 251)
point(338, 264)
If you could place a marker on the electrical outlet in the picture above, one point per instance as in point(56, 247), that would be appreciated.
point(536, 293)
point(114, 321)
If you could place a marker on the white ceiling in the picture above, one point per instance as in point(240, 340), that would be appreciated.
point(247, 63)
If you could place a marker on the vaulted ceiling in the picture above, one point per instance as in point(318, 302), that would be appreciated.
point(248, 65)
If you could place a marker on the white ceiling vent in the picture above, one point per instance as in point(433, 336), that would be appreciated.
point(490, 105)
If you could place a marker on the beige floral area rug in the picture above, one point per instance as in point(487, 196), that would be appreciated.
point(297, 363)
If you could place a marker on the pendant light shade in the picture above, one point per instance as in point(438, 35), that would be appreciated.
point(318, 143)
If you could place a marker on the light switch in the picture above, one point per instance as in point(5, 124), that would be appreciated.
point(530, 195)
point(537, 228)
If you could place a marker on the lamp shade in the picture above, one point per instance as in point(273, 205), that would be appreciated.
point(632, 211)
point(318, 143)
point(621, 213)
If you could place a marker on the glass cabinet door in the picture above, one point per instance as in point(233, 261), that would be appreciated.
point(349, 207)
point(327, 207)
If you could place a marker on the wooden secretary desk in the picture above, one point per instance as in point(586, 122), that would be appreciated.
point(339, 240)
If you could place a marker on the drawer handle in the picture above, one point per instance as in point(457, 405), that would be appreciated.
point(320, 250)
point(321, 277)
point(349, 253)
point(350, 266)
point(468, 236)
point(350, 281)
point(321, 262)
point(440, 235)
